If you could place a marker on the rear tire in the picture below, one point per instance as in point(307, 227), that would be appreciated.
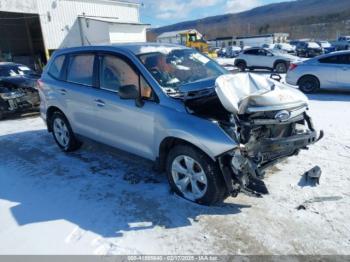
point(63, 133)
point(242, 66)
point(194, 176)
point(309, 84)
point(281, 68)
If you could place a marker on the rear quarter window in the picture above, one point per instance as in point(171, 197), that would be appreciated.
point(56, 67)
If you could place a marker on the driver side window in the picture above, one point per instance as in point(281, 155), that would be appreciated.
point(115, 72)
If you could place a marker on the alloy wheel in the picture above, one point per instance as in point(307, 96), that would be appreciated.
point(189, 177)
point(281, 68)
point(61, 132)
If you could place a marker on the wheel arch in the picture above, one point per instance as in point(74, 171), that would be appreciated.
point(170, 142)
point(280, 61)
point(49, 113)
point(309, 75)
point(240, 60)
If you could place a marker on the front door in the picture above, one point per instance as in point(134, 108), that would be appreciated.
point(122, 124)
point(266, 58)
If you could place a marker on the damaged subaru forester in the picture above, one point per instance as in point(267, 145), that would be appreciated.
point(214, 133)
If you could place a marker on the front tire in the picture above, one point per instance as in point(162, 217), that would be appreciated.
point(309, 84)
point(63, 133)
point(194, 176)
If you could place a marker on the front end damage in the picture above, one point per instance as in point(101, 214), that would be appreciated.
point(17, 97)
point(263, 143)
point(267, 119)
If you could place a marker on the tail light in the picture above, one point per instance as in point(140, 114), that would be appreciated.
point(292, 66)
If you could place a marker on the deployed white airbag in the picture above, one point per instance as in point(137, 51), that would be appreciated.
point(241, 93)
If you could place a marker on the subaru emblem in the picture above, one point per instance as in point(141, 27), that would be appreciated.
point(282, 116)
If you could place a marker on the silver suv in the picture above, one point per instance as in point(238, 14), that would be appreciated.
point(177, 107)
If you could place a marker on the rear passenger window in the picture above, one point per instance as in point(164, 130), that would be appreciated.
point(56, 67)
point(81, 69)
point(337, 59)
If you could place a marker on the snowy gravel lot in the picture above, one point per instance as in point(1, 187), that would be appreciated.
point(101, 201)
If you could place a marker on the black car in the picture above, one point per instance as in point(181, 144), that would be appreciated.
point(308, 49)
point(18, 89)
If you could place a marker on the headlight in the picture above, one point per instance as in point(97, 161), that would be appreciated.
point(11, 95)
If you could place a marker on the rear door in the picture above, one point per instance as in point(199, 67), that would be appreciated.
point(251, 57)
point(344, 71)
point(333, 71)
point(80, 93)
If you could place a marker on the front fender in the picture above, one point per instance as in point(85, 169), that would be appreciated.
point(200, 132)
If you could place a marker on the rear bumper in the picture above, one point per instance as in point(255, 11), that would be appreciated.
point(292, 78)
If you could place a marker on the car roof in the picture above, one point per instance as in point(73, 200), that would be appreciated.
point(135, 48)
point(10, 64)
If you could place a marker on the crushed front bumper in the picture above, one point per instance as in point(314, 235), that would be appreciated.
point(18, 102)
point(243, 171)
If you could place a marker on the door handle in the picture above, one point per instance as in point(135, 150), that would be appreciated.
point(63, 92)
point(99, 102)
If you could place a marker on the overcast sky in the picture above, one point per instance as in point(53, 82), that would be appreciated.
point(165, 12)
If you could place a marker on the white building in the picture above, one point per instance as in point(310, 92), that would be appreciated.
point(260, 40)
point(31, 29)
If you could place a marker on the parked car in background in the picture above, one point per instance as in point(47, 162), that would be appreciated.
point(327, 47)
point(262, 58)
point(233, 51)
point(213, 133)
point(343, 43)
point(327, 71)
point(294, 43)
point(18, 89)
point(285, 47)
point(222, 52)
point(308, 49)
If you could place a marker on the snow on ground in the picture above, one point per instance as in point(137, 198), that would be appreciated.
point(102, 201)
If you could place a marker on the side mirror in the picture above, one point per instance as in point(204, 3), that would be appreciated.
point(276, 77)
point(128, 92)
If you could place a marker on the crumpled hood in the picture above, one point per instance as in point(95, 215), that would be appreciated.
point(246, 93)
point(14, 82)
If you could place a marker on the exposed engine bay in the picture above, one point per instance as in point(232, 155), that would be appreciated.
point(267, 119)
point(17, 95)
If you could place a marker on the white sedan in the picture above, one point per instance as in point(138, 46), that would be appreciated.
point(327, 71)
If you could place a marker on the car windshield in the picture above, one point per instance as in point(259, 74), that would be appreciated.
point(180, 67)
point(7, 71)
